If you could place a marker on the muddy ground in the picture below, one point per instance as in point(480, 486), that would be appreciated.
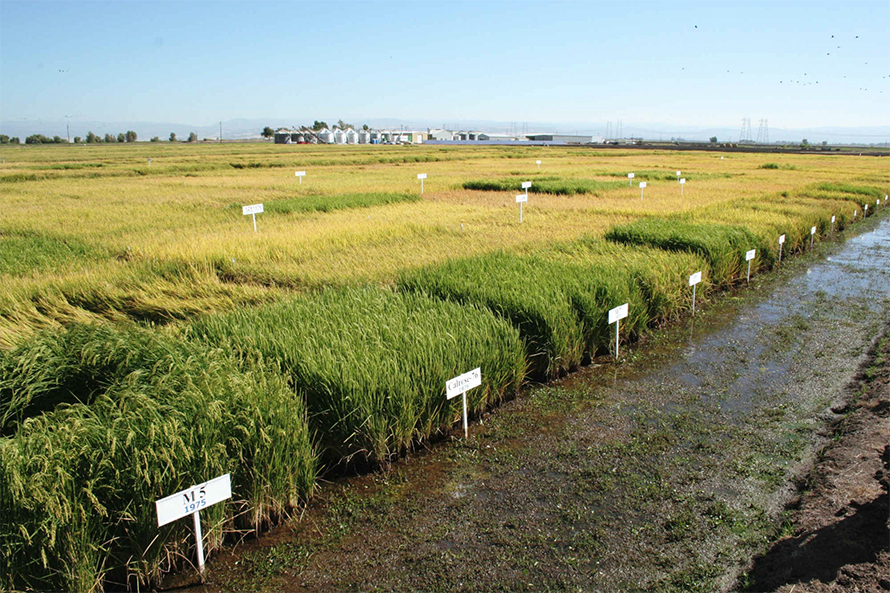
point(737, 453)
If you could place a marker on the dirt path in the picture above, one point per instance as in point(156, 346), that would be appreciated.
point(669, 473)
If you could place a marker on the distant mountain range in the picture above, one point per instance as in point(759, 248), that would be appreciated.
point(243, 129)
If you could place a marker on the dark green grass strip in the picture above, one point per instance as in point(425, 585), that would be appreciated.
point(337, 202)
point(544, 185)
point(22, 253)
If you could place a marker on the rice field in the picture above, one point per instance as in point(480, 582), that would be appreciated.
point(150, 339)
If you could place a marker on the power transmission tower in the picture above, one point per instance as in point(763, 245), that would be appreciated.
point(745, 134)
point(763, 132)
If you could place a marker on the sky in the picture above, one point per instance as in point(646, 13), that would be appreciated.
point(795, 63)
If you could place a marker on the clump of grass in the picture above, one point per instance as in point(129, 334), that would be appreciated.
point(146, 416)
point(337, 202)
point(372, 364)
point(544, 185)
point(723, 246)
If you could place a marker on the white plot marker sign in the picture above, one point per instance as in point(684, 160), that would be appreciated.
point(421, 176)
point(642, 187)
point(521, 199)
point(749, 255)
point(460, 385)
point(693, 280)
point(865, 212)
point(252, 210)
point(630, 179)
point(616, 315)
point(682, 183)
point(539, 165)
point(300, 174)
point(832, 224)
point(678, 177)
point(781, 242)
point(190, 501)
point(812, 236)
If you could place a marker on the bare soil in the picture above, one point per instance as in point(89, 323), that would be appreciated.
point(841, 520)
point(740, 452)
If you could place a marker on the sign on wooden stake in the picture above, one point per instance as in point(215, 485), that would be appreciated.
point(616, 315)
point(748, 257)
point(682, 183)
point(460, 385)
point(812, 236)
point(693, 281)
point(190, 501)
point(253, 211)
point(630, 179)
point(642, 187)
point(781, 242)
point(521, 199)
point(421, 176)
point(300, 174)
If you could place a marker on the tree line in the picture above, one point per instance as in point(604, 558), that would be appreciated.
point(268, 132)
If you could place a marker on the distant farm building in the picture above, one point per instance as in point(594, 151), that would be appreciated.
point(566, 138)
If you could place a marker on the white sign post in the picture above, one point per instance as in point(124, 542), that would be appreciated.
point(616, 315)
point(693, 280)
point(682, 183)
point(462, 384)
point(252, 210)
point(539, 165)
point(865, 212)
point(812, 236)
point(748, 257)
point(855, 212)
point(521, 199)
point(300, 174)
point(832, 224)
point(421, 176)
point(630, 179)
point(642, 187)
point(678, 176)
point(189, 502)
point(781, 242)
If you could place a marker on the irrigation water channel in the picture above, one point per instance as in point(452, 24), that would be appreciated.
point(667, 472)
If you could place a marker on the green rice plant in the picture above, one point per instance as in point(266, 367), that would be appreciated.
point(661, 276)
point(723, 246)
point(559, 304)
point(514, 288)
point(372, 364)
point(849, 188)
point(337, 202)
point(78, 482)
point(544, 185)
point(25, 252)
